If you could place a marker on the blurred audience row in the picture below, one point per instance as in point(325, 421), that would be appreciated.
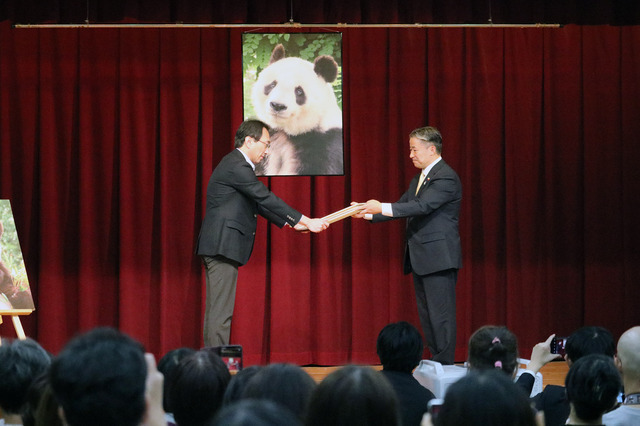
point(104, 377)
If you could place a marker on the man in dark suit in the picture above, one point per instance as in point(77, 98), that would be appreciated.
point(431, 206)
point(235, 197)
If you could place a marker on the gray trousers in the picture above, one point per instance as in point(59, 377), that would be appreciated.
point(221, 276)
point(436, 300)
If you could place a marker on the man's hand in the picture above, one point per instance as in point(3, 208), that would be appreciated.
point(313, 225)
point(358, 215)
point(301, 228)
point(541, 355)
point(371, 207)
point(154, 414)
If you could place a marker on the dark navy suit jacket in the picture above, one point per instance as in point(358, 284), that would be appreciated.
point(235, 197)
point(432, 238)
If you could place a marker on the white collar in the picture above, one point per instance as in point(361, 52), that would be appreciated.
point(246, 157)
point(427, 169)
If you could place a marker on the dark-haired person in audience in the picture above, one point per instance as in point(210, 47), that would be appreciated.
point(21, 362)
point(103, 377)
point(238, 384)
point(484, 398)
point(197, 385)
point(593, 384)
point(496, 347)
point(41, 407)
point(166, 365)
point(399, 348)
point(353, 395)
point(256, 412)
point(584, 341)
point(286, 384)
point(628, 362)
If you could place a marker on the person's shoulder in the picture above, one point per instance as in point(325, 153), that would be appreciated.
point(622, 415)
point(233, 162)
point(408, 381)
point(446, 167)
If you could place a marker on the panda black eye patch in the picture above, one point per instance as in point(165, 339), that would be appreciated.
point(301, 97)
point(269, 87)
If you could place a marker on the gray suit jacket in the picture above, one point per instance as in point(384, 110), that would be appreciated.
point(235, 197)
point(432, 240)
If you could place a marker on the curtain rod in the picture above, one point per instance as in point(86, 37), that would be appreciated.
point(287, 25)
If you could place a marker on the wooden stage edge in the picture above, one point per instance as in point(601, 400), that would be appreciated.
point(552, 374)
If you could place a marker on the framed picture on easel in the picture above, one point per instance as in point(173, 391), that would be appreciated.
point(15, 294)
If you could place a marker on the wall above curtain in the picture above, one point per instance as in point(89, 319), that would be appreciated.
point(611, 12)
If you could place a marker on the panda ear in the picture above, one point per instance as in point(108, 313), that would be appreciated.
point(326, 67)
point(277, 54)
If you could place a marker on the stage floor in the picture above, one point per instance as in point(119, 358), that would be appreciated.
point(552, 373)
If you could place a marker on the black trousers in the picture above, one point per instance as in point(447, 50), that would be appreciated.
point(436, 300)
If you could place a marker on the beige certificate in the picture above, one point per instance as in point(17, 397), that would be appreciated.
point(344, 213)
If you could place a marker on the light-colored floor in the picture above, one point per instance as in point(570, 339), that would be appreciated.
point(552, 373)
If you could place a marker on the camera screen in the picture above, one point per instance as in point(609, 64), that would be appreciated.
point(231, 355)
point(558, 345)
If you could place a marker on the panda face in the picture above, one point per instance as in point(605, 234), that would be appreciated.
point(290, 96)
point(300, 96)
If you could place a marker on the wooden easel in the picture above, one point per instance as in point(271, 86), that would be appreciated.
point(15, 317)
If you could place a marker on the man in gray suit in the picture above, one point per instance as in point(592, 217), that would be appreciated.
point(431, 206)
point(235, 197)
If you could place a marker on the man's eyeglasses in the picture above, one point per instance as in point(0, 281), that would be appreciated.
point(267, 143)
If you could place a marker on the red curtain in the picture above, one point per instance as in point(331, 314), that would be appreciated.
point(108, 138)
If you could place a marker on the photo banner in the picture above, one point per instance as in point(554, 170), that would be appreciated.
point(293, 83)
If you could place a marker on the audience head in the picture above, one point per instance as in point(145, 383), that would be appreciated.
point(21, 362)
point(99, 379)
point(589, 340)
point(493, 347)
point(286, 384)
point(485, 398)
point(628, 358)
point(353, 395)
point(167, 365)
point(197, 385)
point(399, 347)
point(593, 384)
point(41, 408)
point(256, 412)
point(238, 384)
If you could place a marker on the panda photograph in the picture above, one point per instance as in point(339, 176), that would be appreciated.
point(293, 83)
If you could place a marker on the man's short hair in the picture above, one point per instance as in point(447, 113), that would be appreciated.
point(428, 135)
point(21, 362)
point(197, 387)
point(593, 384)
point(99, 379)
point(399, 347)
point(252, 128)
point(590, 340)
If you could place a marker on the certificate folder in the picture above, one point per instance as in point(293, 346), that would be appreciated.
point(344, 213)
